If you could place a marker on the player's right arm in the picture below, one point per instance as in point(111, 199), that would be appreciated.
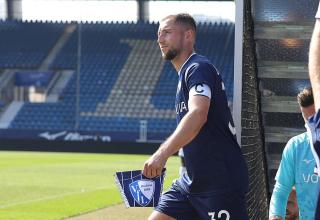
point(284, 183)
point(314, 61)
point(186, 131)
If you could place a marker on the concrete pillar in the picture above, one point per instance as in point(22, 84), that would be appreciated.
point(143, 10)
point(14, 9)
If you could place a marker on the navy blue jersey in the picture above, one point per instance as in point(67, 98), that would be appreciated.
point(314, 132)
point(213, 158)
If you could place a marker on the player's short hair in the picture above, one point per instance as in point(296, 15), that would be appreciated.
point(187, 20)
point(184, 19)
point(305, 97)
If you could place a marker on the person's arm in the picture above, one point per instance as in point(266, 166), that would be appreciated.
point(314, 63)
point(185, 132)
point(285, 179)
point(278, 202)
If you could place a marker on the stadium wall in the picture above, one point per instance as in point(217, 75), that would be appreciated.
point(78, 146)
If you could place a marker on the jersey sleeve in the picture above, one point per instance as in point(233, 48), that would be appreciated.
point(285, 180)
point(200, 74)
point(313, 127)
point(318, 12)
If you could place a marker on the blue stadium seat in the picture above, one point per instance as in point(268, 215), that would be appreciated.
point(27, 43)
point(106, 50)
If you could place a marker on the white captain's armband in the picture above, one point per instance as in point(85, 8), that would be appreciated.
point(200, 89)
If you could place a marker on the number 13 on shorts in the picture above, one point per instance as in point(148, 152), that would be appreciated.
point(221, 213)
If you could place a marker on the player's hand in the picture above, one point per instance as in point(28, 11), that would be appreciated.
point(154, 165)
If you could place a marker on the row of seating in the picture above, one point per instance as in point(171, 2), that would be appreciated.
point(27, 43)
point(123, 79)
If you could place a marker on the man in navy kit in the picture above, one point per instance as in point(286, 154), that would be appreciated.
point(216, 180)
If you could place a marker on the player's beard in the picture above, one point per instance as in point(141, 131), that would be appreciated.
point(170, 55)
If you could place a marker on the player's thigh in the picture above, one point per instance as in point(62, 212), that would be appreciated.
point(175, 205)
point(228, 206)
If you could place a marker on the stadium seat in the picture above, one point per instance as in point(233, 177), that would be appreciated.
point(123, 79)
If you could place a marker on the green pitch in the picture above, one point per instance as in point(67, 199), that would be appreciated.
point(47, 186)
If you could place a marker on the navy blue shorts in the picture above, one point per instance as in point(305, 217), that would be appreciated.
point(183, 206)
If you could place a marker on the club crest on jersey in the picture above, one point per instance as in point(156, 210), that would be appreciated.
point(142, 191)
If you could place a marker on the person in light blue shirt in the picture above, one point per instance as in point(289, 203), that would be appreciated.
point(297, 168)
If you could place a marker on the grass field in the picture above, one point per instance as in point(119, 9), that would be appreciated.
point(47, 186)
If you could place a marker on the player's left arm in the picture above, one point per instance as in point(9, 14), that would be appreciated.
point(185, 132)
point(314, 63)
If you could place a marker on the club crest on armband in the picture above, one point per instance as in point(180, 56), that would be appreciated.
point(142, 191)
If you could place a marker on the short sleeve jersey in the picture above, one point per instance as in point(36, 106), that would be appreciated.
point(318, 12)
point(314, 131)
point(213, 159)
point(297, 168)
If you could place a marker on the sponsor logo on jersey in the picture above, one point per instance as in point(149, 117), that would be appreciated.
point(310, 178)
point(180, 107)
point(307, 161)
point(142, 191)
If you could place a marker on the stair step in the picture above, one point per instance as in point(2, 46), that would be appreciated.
point(286, 104)
point(284, 70)
point(281, 134)
point(282, 31)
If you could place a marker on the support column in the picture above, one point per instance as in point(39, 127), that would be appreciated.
point(143, 10)
point(14, 9)
point(238, 53)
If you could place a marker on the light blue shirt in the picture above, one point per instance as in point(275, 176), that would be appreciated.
point(297, 168)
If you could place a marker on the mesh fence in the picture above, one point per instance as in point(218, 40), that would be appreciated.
point(252, 135)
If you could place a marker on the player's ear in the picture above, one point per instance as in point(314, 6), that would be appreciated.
point(188, 34)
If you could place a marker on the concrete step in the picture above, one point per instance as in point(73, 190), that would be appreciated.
point(283, 30)
point(284, 70)
point(10, 113)
point(281, 134)
point(60, 84)
point(274, 161)
point(286, 104)
point(59, 45)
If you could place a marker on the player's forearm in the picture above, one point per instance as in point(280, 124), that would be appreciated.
point(185, 132)
point(279, 200)
point(314, 63)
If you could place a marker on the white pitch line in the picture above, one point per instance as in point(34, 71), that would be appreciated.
point(50, 197)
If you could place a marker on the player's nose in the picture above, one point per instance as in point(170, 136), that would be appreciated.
point(160, 39)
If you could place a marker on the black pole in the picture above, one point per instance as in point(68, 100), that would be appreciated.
point(143, 10)
point(10, 11)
